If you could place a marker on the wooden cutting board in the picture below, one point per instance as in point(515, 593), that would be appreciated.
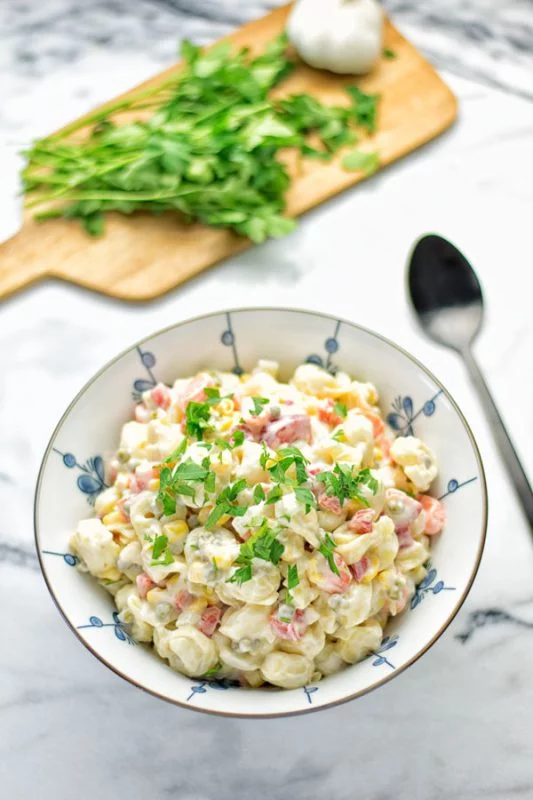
point(142, 256)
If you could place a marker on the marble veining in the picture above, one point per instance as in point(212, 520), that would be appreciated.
point(457, 724)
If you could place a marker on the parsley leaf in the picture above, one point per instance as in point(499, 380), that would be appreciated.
point(160, 544)
point(225, 504)
point(306, 498)
point(197, 419)
point(213, 671)
point(161, 555)
point(340, 409)
point(388, 53)
point(342, 484)
point(178, 452)
point(292, 576)
point(262, 544)
point(241, 575)
point(364, 107)
point(361, 161)
point(238, 438)
point(274, 495)
point(327, 549)
point(264, 458)
point(259, 493)
point(289, 456)
point(258, 402)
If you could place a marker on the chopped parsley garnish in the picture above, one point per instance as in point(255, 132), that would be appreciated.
point(258, 402)
point(259, 493)
point(197, 414)
point(178, 452)
point(241, 575)
point(388, 53)
point(262, 544)
point(225, 503)
point(339, 435)
point(213, 671)
point(209, 484)
point(274, 495)
point(289, 456)
point(197, 419)
point(215, 566)
point(292, 577)
point(238, 438)
point(264, 458)
point(176, 481)
point(365, 107)
point(306, 498)
point(344, 485)
point(361, 161)
point(327, 548)
point(161, 555)
point(340, 409)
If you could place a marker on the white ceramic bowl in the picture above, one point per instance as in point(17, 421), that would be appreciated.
point(72, 474)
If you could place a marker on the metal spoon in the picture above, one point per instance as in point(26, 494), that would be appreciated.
point(448, 301)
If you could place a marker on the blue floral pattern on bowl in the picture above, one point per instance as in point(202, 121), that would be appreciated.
point(403, 415)
point(331, 346)
point(220, 684)
point(386, 644)
point(228, 339)
point(309, 692)
point(454, 485)
point(428, 585)
point(92, 480)
point(119, 628)
point(140, 385)
point(69, 558)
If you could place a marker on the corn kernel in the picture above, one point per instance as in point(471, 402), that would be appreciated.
point(312, 410)
point(372, 570)
point(222, 561)
point(196, 572)
point(153, 485)
point(226, 425)
point(210, 594)
point(173, 582)
point(111, 574)
point(245, 377)
point(176, 531)
point(204, 513)
point(226, 406)
point(155, 596)
point(198, 605)
point(113, 518)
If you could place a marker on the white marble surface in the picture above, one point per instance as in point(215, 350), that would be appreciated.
point(456, 724)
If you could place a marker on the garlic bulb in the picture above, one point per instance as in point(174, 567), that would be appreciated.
point(344, 36)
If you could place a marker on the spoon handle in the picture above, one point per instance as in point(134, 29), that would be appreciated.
point(503, 440)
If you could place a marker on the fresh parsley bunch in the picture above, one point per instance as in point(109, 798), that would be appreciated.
point(206, 144)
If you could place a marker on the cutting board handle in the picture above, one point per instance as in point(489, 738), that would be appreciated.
point(19, 262)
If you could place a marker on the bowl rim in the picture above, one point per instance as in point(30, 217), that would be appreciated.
point(309, 709)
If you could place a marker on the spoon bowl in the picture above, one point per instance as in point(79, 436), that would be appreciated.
point(445, 292)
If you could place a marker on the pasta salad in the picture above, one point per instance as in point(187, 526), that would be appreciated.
point(262, 531)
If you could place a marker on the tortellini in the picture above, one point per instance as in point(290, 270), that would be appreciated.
point(187, 649)
point(97, 549)
point(361, 641)
point(417, 461)
point(266, 533)
point(288, 670)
